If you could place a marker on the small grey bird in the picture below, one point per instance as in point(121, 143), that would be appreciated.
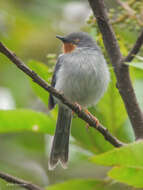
point(82, 75)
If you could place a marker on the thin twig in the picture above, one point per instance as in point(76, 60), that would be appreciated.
point(130, 12)
point(90, 120)
point(16, 181)
point(126, 6)
point(136, 48)
point(126, 14)
point(119, 20)
point(124, 83)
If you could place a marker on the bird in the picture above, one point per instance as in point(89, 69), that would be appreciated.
point(81, 74)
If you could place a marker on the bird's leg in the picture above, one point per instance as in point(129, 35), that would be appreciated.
point(92, 117)
point(79, 107)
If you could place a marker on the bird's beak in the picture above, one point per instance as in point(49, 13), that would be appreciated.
point(63, 39)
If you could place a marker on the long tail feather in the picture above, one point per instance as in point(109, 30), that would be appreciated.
point(60, 146)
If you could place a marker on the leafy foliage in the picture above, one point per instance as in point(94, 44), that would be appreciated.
point(129, 170)
point(87, 184)
point(128, 175)
point(42, 71)
point(138, 65)
point(25, 120)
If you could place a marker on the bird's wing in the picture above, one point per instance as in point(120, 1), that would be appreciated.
point(51, 102)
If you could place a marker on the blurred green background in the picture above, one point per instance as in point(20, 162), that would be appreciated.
point(29, 28)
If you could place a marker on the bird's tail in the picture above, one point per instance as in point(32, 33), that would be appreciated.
point(60, 146)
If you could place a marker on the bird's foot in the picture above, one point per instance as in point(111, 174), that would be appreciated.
point(79, 107)
point(92, 117)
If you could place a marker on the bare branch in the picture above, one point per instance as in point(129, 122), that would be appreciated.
point(119, 20)
point(126, 6)
point(129, 11)
point(81, 114)
point(121, 70)
point(136, 48)
point(20, 182)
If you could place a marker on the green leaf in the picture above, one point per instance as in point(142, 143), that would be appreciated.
point(88, 138)
point(44, 72)
point(139, 57)
point(130, 156)
point(86, 184)
point(128, 162)
point(25, 120)
point(138, 65)
point(130, 176)
point(75, 185)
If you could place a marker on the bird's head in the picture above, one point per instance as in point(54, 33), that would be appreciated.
point(76, 39)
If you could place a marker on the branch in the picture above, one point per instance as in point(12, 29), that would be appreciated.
point(81, 114)
point(20, 182)
point(126, 14)
point(119, 20)
point(130, 12)
point(136, 48)
point(108, 34)
point(126, 6)
point(121, 70)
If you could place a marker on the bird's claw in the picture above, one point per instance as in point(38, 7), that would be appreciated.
point(93, 117)
point(79, 106)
